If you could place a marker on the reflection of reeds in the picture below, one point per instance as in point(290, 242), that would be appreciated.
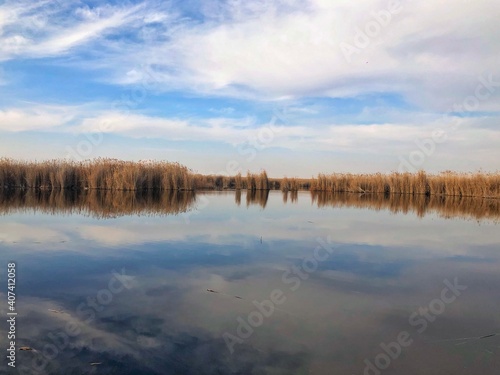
point(237, 197)
point(97, 203)
point(419, 204)
point(294, 196)
point(259, 197)
point(447, 183)
point(114, 203)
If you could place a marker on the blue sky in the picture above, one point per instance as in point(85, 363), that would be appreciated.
point(295, 87)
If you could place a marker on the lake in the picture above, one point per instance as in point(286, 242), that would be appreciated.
point(252, 283)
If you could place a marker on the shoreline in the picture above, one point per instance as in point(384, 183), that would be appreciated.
point(112, 174)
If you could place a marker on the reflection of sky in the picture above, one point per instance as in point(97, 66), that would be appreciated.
point(383, 268)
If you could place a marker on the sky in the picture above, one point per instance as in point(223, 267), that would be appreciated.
point(293, 87)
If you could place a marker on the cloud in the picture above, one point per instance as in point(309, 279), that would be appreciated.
point(82, 33)
point(373, 138)
point(272, 49)
point(44, 29)
point(283, 49)
point(226, 130)
point(35, 118)
point(476, 137)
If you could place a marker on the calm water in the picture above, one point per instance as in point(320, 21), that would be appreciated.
point(259, 287)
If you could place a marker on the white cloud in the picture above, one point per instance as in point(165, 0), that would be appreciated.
point(81, 33)
point(35, 118)
point(431, 53)
point(474, 142)
point(139, 126)
point(42, 28)
point(426, 52)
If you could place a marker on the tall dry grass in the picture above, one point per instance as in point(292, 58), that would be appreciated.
point(218, 182)
point(257, 181)
point(105, 174)
point(446, 183)
point(111, 174)
point(294, 184)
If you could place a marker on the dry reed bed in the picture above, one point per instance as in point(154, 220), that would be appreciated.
point(111, 174)
point(96, 203)
point(295, 184)
point(106, 174)
point(252, 181)
point(418, 204)
point(447, 183)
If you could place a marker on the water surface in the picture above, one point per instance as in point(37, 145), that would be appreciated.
point(348, 275)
